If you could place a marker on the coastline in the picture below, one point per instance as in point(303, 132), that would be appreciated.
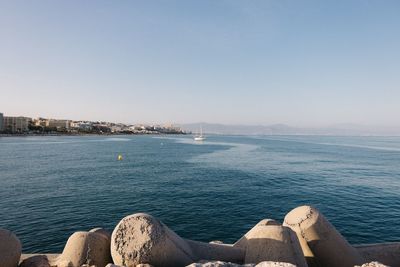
point(87, 134)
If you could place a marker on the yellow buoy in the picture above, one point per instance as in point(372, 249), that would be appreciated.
point(119, 157)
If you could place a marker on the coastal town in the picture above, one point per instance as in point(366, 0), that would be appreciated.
point(20, 125)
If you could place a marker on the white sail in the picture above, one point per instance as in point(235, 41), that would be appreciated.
point(200, 137)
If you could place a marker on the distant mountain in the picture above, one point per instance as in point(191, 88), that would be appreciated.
point(282, 129)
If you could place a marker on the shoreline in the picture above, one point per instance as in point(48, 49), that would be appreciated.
point(88, 134)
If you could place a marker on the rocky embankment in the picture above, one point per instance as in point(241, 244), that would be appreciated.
point(305, 239)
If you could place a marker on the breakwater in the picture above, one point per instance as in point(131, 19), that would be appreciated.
point(304, 239)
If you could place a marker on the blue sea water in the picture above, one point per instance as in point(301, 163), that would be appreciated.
point(215, 190)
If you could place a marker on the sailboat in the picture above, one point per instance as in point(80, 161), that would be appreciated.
point(200, 137)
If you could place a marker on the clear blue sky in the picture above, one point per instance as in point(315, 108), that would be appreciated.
point(302, 63)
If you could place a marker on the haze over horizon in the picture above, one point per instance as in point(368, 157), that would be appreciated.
point(303, 64)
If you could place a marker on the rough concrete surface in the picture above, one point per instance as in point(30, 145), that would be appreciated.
point(140, 238)
point(328, 246)
point(10, 249)
point(230, 264)
point(269, 241)
point(385, 253)
point(88, 248)
point(373, 264)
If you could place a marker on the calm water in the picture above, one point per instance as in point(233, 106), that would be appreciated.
point(53, 186)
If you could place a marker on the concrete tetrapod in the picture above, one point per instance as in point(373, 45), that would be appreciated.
point(269, 241)
point(101, 231)
point(386, 253)
point(326, 243)
point(36, 261)
point(141, 238)
point(374, 264)
point(229, 264)
point(10, 249)
point(89, 248)
point(243, 241)
point(214, 251)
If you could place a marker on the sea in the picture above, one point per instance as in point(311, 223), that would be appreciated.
point(52, 186)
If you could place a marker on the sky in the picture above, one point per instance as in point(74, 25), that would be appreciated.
point(301, 63)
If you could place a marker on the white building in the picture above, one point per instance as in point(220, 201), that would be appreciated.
point(81, 125)
point(16, 124)
point(59, 124)
point(116, 128)
point(1, 122)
